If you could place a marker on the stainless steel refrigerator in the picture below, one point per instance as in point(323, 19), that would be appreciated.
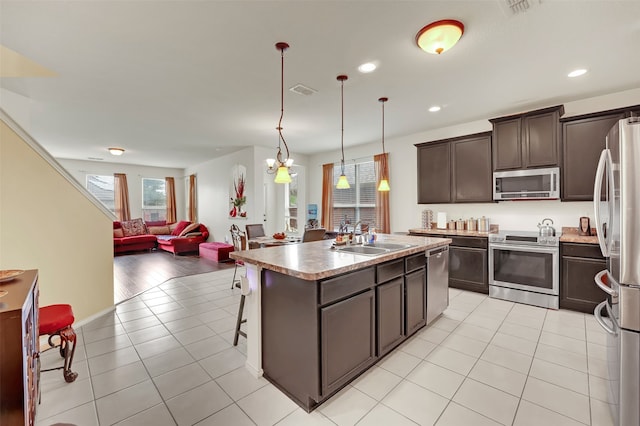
point(616, 198)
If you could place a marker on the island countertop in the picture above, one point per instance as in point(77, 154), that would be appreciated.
point(316, 260)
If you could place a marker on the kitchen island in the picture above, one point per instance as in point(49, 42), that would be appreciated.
point(324, 316)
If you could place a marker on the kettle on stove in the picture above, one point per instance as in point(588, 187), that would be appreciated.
point(546, 230)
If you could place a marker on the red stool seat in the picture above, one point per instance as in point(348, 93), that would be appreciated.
point(55, 317)
point(56, 320)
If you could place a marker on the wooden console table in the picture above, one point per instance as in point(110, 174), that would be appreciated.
point(19, 350)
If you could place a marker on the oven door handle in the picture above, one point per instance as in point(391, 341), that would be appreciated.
point(517, 247)
point(600, 283)
point(597, 313)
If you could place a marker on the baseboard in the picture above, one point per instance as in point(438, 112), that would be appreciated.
point(79, 324)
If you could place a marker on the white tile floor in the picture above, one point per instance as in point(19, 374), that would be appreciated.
point(165, 358)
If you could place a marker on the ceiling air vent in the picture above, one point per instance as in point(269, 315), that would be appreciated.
point(514, 7)
point(301, 89)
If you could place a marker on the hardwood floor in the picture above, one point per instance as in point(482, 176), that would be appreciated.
point(134, 273)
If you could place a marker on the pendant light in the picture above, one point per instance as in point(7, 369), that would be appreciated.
point(280, 166)
point(343, 183)
point(384, 183)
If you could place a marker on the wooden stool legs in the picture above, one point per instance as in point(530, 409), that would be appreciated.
point(239, 322)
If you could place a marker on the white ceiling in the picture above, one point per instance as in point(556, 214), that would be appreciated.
point(176, 83)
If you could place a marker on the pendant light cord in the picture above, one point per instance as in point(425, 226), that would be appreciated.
point(282, 49)
point(342, 124)
point(383, 101)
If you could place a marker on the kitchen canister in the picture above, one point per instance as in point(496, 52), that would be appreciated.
point(472, 224)
point(451, 225)
point(483, 224)
point(460, 225)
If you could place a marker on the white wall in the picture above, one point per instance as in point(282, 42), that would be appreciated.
point(46, 223)
point(265, 199)
point(79, 169)
point(406, 213)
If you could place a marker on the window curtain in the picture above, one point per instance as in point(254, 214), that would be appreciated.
point(382, 197)
point(192, 199)
point(121, 196)
point(170, 188)
point(327, 196)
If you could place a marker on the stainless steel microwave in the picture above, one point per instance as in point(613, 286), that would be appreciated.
point(529, 184)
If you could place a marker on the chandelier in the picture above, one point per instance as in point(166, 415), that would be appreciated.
point(280, 165)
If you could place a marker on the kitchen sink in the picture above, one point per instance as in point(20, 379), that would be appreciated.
point(374, 249)
point(367, 250)
point(389, 246)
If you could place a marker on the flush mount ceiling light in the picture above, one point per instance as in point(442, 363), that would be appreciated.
point(279, 165)
point(577, 73)
point(367, 67)
point(343, 183)
point(440, 36)
point(434, 108)
point(384, 182)
point(116, 151)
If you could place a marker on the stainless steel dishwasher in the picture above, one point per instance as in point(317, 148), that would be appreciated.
point(437, 281)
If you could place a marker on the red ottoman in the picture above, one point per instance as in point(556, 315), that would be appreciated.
point(218, 252)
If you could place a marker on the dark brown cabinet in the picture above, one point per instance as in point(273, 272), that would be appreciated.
point(434, 173)
point(390, 320)
point(580, 263)
point(19, 350)
point(468, 267)
point(583, 140)
point(456, 170)
point(415, 300)
point(348, 340)
point(468, 262)
point(319, 335)
point(527, 140)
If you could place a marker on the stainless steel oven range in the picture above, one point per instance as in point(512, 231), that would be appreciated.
point(524, 267)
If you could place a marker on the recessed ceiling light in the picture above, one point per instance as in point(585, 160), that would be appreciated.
point(367, 67)
point(434, 108)
point(577, 73)
point(116, 151)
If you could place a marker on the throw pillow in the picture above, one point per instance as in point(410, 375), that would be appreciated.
point(180, 227)
point(133, 227)
point(118, 233)
point(159, 230)
point(193, 234)
point(190, 228)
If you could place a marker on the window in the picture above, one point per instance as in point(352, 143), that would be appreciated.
point(102, 188)
point(291, 204)
point(154, 199)
point(357, 203)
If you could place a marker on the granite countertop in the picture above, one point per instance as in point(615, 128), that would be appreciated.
point(493, 230)
point(570, 235)
point(316, 260)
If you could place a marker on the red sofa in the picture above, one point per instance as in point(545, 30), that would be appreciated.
point(177, 238)
point(123, 244)
point(182, 239)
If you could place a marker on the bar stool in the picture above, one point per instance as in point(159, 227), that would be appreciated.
point(56, 320)
point(238, 240)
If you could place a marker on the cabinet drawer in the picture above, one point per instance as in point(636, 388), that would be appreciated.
point(346, 285)
point(389, 270)
point(414, 262)
point(582, 250)
point(473, 242)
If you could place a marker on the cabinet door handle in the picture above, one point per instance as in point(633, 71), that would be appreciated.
point(600, 283)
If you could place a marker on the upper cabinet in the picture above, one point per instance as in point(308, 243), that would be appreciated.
point(527, 140)
point(456, 170)
point(583, 139)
